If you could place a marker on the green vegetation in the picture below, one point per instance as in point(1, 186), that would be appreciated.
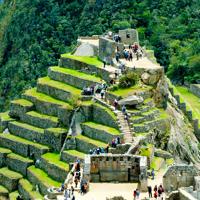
point(76, 153)
point(43, 97)
point(11, 174)
point(27, 126)
point(170, 28)
point(76, 73)
point(28, 187)
point(43, 177)
point(131, 90)
point(18, 157)
point(85, 59)
point(3, 190)
point(54, 159)
point(13, 195)
point(92, 141)
point(42, 116)
point(157, 163)
point(5, 116)
point(108, 129)
point(4, 150)
point(169, 161)
point(23, 102)
point(59, 85)
point(57, 131)
point(146, 150)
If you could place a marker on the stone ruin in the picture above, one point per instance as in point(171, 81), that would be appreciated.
point(129, 36)
point(117, 168)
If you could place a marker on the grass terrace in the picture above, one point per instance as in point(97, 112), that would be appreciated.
point(3, 190)
point(124, 92)
point(5, 116)
point(33, 92)
point(76, 73)
point(11, 174)
point(54, 158)
point(13, 195)
point(4, 150)
point(85, 59)
point(59, 85)
point(23, 102)
point(76, 153)
point(146, 150)
point(108, 129)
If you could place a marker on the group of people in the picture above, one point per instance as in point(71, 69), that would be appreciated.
point(115, 142)
point(157, 192)
point(99, 150)
point(96, 89)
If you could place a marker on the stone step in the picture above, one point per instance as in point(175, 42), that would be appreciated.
point(27, 190)
point(70, 156)
point(53, 137)
point(22, 147)
point(57, 89)
point(4, 193)
point(9, 179)
point(84, 144)
point(3, 154)
point(39, 120)
point(19, 107)
point(99, 132)
point(38, 177)
point(54, 167)
point(73, 77)
point(46, 104)
point(18, 163)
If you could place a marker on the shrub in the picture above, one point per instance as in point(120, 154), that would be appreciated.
point(128, 80)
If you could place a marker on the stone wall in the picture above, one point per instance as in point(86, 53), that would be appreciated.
point(195, 89)
point(188, 194)
point(107, 49)
point(118, 167)
point(179, 176)
point(129, 36)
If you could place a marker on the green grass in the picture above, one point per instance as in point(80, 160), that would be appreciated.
point(85, 59)
point(192, 101)
point(43, 177)
point(86, 103)
point(146, 150)
point(163, 114)
point(91, 141)
point(13, 195)
point(54, 159)
point(77, 74)
point(42, 116)
point(11, 174)
point(43, 97)
point(59, 85)
point(76, 153)
point(129, 91)
point(57, 131)
point(23, 102)
point(108, 129)
point(18, 157)
point(28, 187)
point(5, 116)
point(4, 150)
point(169, 161)
point(27, 126)
point(24, 141)
point(3, 189)
point(111, 113)
point(157, 163)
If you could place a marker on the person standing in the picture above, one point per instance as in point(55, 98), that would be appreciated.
point(152, 174)
point(124, 109)
point(134, 195)
point(150, 191)
point(137, 194)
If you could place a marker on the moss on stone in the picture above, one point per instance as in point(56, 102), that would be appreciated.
point(43, 177)
point(108, 129)
point(54, 159)
point(85, 59)
point(18, 157)
point(10, 174)
point(92, 141)
point(77, 74)
point(43, 97)
point(59, 85)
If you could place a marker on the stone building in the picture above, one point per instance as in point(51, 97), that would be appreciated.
point(129, 36)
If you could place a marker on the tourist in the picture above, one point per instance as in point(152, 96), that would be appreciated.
point(116, 74)
point(150, 191)
point(134, 195)
point(115, 104)
point(126, 117)
point(102, 93)
point(91, 152)
point(160, 190)
point(118, 140)
point(124, 109)
point(107, 148)
point(117, 57)
point(152, 174)
point(76, 182)
point(130, 56)
point(137, 194)
point(112, 81)
point(104, 63)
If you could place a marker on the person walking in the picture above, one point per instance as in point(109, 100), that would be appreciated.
point(115, 104)
point(134, 195)
point(124, 109)
point(153, 174)
point(137, 194)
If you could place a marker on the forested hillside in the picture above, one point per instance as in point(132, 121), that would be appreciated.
point(33, 33)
